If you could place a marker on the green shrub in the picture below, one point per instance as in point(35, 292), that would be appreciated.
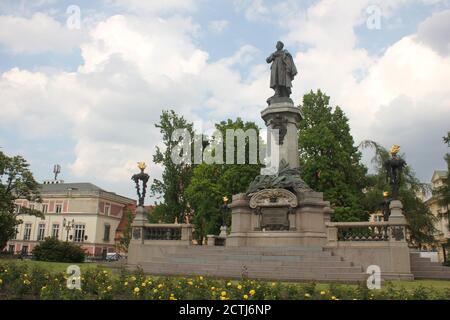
point(54, 250)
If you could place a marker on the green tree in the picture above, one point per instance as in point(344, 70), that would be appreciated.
point(16, 182)
point(176, 176)
point(418, 215)
point(211, 182)
point(124, 241)
point(329, 161)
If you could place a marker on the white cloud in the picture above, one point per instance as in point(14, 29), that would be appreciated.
point(39, 34)
point(218, 26)
point(132, 69)
point(435, 32)
point(399, 97)
point(155, 6)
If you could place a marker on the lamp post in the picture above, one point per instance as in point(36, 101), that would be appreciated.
point(223, 228)
point(140, 179)
point(68, 225)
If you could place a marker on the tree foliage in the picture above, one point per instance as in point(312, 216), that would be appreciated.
point(211, 182)
point(16, 182)
point(176, 176)
point(124, 241)
point(54, 250)
point(329, 161)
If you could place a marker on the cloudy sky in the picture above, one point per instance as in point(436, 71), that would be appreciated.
point(86, 93)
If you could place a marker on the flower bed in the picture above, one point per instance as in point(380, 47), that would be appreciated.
point(18, 281)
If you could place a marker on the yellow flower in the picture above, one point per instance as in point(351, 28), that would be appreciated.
point(307, 295)
point(143, 284)
point(322, 292)
point(201, 278)
point(213, 288)
point(160, 285)
point(333, 298)
point(273, 284)
point(239, 287)
point(190, 283)
point(229, 284)
point(245, 297)
point(172, 298)
point(125, 283)
point(44, 287)
point(155, 290)
point(136, 290)
point(223, 293)
point(109, 288)
point(252, 292)
point(25, 275)
point(26, 282)
point(133, 278)
point(223, 298)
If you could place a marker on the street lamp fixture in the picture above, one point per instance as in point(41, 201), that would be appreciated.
point(68, 225)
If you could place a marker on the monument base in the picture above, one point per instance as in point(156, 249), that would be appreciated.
point(278, 217)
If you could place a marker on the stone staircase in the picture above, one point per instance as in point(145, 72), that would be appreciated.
point(423, 268)
point(289, 264)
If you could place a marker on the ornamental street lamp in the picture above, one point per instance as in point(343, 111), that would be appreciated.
point(68, 225)
point(224, 207)
point(141, 180)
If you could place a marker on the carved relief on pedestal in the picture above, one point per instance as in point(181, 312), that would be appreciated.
point(273, 198)
point(273, 207)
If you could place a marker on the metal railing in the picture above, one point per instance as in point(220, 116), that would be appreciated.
point(365, 231)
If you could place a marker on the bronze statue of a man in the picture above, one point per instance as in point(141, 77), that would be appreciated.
point(283, 71)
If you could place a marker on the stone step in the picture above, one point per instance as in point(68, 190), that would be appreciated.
point(273, 263)
point(213, 257)
point(250, 268)
point(423, 268)
point(256, 253)
point(267, 275)
point(431, 275)
point(430, 268)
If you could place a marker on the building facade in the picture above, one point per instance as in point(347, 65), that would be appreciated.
point(81, 213)
point(441, 213)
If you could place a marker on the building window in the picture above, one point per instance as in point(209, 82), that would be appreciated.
point(44, 208)
point(107, 209)
point(27, 231)
point(79, 233)
point(11, 248)
point(41, 232)
point(58, 208)
point(16, 231)
point(107, 232)
point(55, 231)
point(17, 209)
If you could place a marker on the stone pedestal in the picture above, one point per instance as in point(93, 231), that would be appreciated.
point(396, 208)
point(307, 215)
point(283, 116)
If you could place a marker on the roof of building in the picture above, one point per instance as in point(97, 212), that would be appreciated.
point(83, 187)
point(441, 173)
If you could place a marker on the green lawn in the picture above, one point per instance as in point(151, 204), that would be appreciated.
point(51, 266)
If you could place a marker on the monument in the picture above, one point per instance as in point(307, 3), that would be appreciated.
point(279, 208)
point(280, 227)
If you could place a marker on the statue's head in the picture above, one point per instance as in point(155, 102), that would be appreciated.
point(395, 149)
point(280, 45)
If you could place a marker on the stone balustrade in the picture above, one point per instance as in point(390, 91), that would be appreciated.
point(365, 231)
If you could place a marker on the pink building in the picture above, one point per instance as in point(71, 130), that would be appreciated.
point(77, 212)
